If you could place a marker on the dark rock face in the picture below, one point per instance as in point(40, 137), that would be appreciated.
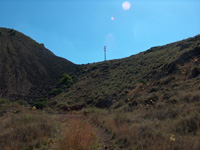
point(27, 69)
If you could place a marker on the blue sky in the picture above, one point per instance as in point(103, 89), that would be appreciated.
point(78, 29)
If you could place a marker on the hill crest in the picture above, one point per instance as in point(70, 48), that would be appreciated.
point(128, 82)
point(27, 69)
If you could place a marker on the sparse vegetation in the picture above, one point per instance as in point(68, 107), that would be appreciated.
point(12, 32)
point(4, 101)
point(133, 80)
point(78, 136)
point(147, 101)
point(55, 92)
point(148, 128)
point(66, 80)
point(40, 103)
point(22, 102)
point(42, 44)
point(28, 70)
point(23, 129)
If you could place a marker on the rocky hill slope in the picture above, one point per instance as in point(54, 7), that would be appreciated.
point(166, 73)
point(27, 69)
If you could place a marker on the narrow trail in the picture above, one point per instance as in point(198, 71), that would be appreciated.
point(105, 141)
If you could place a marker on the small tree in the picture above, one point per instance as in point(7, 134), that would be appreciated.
point(12, 32)
point(66, 80)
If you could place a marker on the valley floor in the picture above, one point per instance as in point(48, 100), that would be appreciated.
point(145, 127)
point(80, 127)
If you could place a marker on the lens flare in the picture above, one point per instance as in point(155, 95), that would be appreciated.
point(126, 5)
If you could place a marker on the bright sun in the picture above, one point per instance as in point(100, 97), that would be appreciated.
point(126, 5)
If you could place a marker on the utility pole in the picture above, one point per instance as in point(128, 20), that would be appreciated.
point(105, 53)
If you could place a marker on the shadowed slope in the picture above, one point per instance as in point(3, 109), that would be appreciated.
point(27, 69)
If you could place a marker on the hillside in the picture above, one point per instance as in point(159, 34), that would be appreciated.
point(27, 69)
point(147, 101)
point(165, 73)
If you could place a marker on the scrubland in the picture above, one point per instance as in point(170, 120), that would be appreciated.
point(160, 127)
point(27, 128)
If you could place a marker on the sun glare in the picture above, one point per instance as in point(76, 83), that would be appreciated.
point(126, 5)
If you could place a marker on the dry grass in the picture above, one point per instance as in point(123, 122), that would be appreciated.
point(154, 128)
point(24, 129)
point(78, 136)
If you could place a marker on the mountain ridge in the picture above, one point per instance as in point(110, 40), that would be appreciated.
point(150, 100)
point(105, 84)
point(28, 70)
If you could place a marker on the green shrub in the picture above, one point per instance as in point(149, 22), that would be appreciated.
point(74, 78)
point(42, 44)
point(143, 81)
point(55, 92)
point(40, 103)
point(66, 80)
point(12, 32)
point(4, 101)
point(63, 106)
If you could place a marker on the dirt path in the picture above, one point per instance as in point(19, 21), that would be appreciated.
point(105, 141)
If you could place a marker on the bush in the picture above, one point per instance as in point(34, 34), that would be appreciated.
point(74, 78)
point(55, 92)
point(191, 98)
point(195, 71)
point(143, 81)
point(103, 103)
point(40, 103)
point(42, 44)
point(66, 80)
point(165, 112)
point(4, 101)
point(12, 32)
point(189, 124)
